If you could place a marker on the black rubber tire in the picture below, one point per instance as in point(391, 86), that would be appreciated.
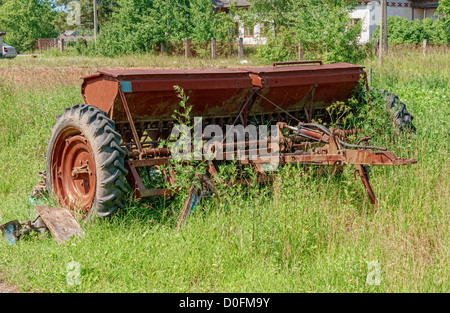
point(402, 119)
point(99, 131)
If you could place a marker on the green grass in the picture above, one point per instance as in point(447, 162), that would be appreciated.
point(308, 232)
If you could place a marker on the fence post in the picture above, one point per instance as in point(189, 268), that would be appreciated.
point(425, 43)
point(300, 50)
point(213, 48)
point(187, 47)
point(370, 77)
point(61, 43)
point(241, 48)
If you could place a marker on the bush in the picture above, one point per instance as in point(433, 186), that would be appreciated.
point(323, 30)
point(402, 30)
point(280, 47)
point(140, 26)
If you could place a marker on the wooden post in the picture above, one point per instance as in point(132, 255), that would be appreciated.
point(425, 43)
point(95, 20)
point(380, 49)
point(61, 44)
point(213, 48)
point(241, 48)
point(385, 32)
point(300, 50)
point(187, 47)
point(369, 80)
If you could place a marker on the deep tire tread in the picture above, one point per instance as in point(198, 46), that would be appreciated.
point(109, 156)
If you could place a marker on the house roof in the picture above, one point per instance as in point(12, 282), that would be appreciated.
point(226, 3)
point(421, 4)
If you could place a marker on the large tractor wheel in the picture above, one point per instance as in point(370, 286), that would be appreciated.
point(85, 163)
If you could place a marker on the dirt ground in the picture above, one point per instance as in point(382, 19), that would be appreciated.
point(6, 288)
point(44, 77)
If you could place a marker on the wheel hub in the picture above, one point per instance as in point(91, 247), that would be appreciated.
point(73, 170)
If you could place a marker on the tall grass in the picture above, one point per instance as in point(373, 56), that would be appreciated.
point(307, 232)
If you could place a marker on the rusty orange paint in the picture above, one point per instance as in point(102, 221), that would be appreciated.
point(220, 93)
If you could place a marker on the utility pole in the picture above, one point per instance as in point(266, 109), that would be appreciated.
point(95, 20)
point(383, 31)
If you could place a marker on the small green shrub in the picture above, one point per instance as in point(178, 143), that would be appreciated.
point(279, 47)
point(401, 30)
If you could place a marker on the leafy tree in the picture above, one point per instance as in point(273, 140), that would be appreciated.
point(275, 11)
point(139, 24)
point(402, 30)
point(105, 8)
point(444, 8)
point(322, 26)
point(443, 11)
point(204, 23)
point(25, 21)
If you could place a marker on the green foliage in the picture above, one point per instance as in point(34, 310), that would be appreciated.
point(25, 21)
point(139, 25)
point(444, 8)
point(279, 47)
point(340, 113)
point(402, 30)
point(275, 11)
point(186, 173)
point(322, 27)
point(204, 23)
point(436, 32)
point(105, 8)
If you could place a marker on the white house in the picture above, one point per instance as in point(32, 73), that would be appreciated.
point(251, 34)
point(369, 13)
point(366, 11)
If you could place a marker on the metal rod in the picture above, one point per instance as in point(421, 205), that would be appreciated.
point(130, 120)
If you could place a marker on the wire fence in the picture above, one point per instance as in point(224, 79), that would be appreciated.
point(189, 48)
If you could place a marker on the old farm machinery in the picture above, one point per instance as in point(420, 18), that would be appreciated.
point(118, 134)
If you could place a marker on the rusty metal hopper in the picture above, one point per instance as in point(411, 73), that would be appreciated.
point(311, 84)
point(151, 96)
point(217, 93)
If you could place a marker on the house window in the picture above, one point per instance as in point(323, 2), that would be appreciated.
point(236, 29)
point(354, 21)
point(264, 29)
point(249, 30)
